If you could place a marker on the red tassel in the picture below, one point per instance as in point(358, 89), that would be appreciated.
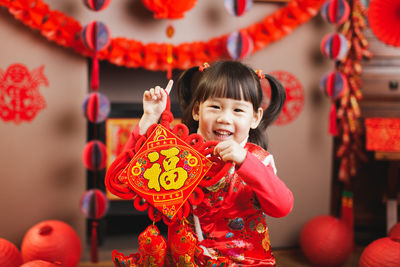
point(347, 211)
point(95, 72)
point(94, 256)
point(332, 120)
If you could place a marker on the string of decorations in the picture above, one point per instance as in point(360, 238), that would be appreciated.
point(65, 31)
point(96, 108)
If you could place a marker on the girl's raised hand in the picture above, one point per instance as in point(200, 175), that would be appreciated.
point(230, 150)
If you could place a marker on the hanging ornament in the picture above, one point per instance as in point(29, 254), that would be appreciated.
point(20, 99)
point(94, 205)
point(334, 46)
point(333, 84)
point(169, 9)
point(335, 11)
point(96, 107)
point(94, 155)
point(239, 45)
point(97, 5)
point(96, 37)
point(384, 20)
point(238, 7)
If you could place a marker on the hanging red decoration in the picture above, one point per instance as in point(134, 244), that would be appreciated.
point(334, 46)
point(294, 96)
point(20, 99)
point(97, 5)
point(169, 9)
point(238, 7)
point(335, 11)
point(239, 45)
point(94, 155)
point(61, 29)
point(382, 134)
point(96, 107)
point(384, 20)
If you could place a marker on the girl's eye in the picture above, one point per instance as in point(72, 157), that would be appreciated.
point(215, 106)
point(238, 110)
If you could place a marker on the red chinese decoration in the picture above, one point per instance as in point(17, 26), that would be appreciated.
point(20, 99)
point(165, 171)
point(294, 96)
point(383, 134)
point(169, 9)
point(63, 30)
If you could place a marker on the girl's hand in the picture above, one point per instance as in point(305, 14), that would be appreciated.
point(230, 150)
point(154, 103)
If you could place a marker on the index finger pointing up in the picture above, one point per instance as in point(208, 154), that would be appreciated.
point(169, 86)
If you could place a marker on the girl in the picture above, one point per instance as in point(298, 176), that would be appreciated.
point(223, 103)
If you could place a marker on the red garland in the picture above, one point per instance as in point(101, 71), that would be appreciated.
point(65, 31)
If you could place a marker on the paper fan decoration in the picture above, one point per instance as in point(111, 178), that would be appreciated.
point(384, 20)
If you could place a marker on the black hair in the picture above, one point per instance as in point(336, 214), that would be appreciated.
point(229, 79)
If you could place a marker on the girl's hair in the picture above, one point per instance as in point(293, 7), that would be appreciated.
point(229, 79)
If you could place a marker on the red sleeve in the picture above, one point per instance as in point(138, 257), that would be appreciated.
point(275, 198)
point(133, 137)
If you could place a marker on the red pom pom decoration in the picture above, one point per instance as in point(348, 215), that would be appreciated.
point(384, 20)
point(171, 9)
point(9, 254)
point(94, 155)
point(326, 241)
point(39, 263)
point(97, 5)
point(238, 7)
point(239, 45)
point(335, 11)
point(53, 241)
point(334, 46)
point(96, 107)
point(95, 36)
point(382, 252)
point(334, 84)
point(94, 204)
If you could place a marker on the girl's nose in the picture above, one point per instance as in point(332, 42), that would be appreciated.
point(224, 117)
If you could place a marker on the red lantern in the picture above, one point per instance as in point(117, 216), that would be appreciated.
point(53, 241)
point(382, 252)
point(171, 9)
point(39, 263)
point(94, 155)
point(9, 254)
point(394, 232)
point(326, 241)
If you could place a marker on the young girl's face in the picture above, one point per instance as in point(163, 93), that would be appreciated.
point(222, 119)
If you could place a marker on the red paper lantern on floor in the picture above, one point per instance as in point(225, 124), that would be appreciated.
point(394, 232)
point(39, 263)
point(169, 9)
point(383, 252)
point(53, 241)
point(9, 254)
point(326, 241)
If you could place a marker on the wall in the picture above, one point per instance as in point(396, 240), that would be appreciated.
point(302, 149)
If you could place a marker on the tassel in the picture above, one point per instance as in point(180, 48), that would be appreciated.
point(95, 73)
point(347, 214)
point(332, 120)
point(94, 256)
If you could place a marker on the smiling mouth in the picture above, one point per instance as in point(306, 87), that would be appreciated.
point(222, 134)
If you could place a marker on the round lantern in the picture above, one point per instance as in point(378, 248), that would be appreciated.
point(39, 263)
point(326, 241)
point(335, 11)
point(95, 36)
point(381, 252)
point(239, 45)
point(53, 241)
point(238, 7)
point(334, 46)
point(96, 107)
point(9, 254)
point(171, 9)
point(94, 204)
point(334, 84)
point(96, 5)
point(94, 155)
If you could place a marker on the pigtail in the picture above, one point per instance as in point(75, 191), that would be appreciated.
point(278, 98)
point(186, 85)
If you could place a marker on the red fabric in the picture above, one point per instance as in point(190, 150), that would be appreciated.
point(95, 73)
point(332, 120)
point(383, 134)
point(231, 214)
point(94, 252)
